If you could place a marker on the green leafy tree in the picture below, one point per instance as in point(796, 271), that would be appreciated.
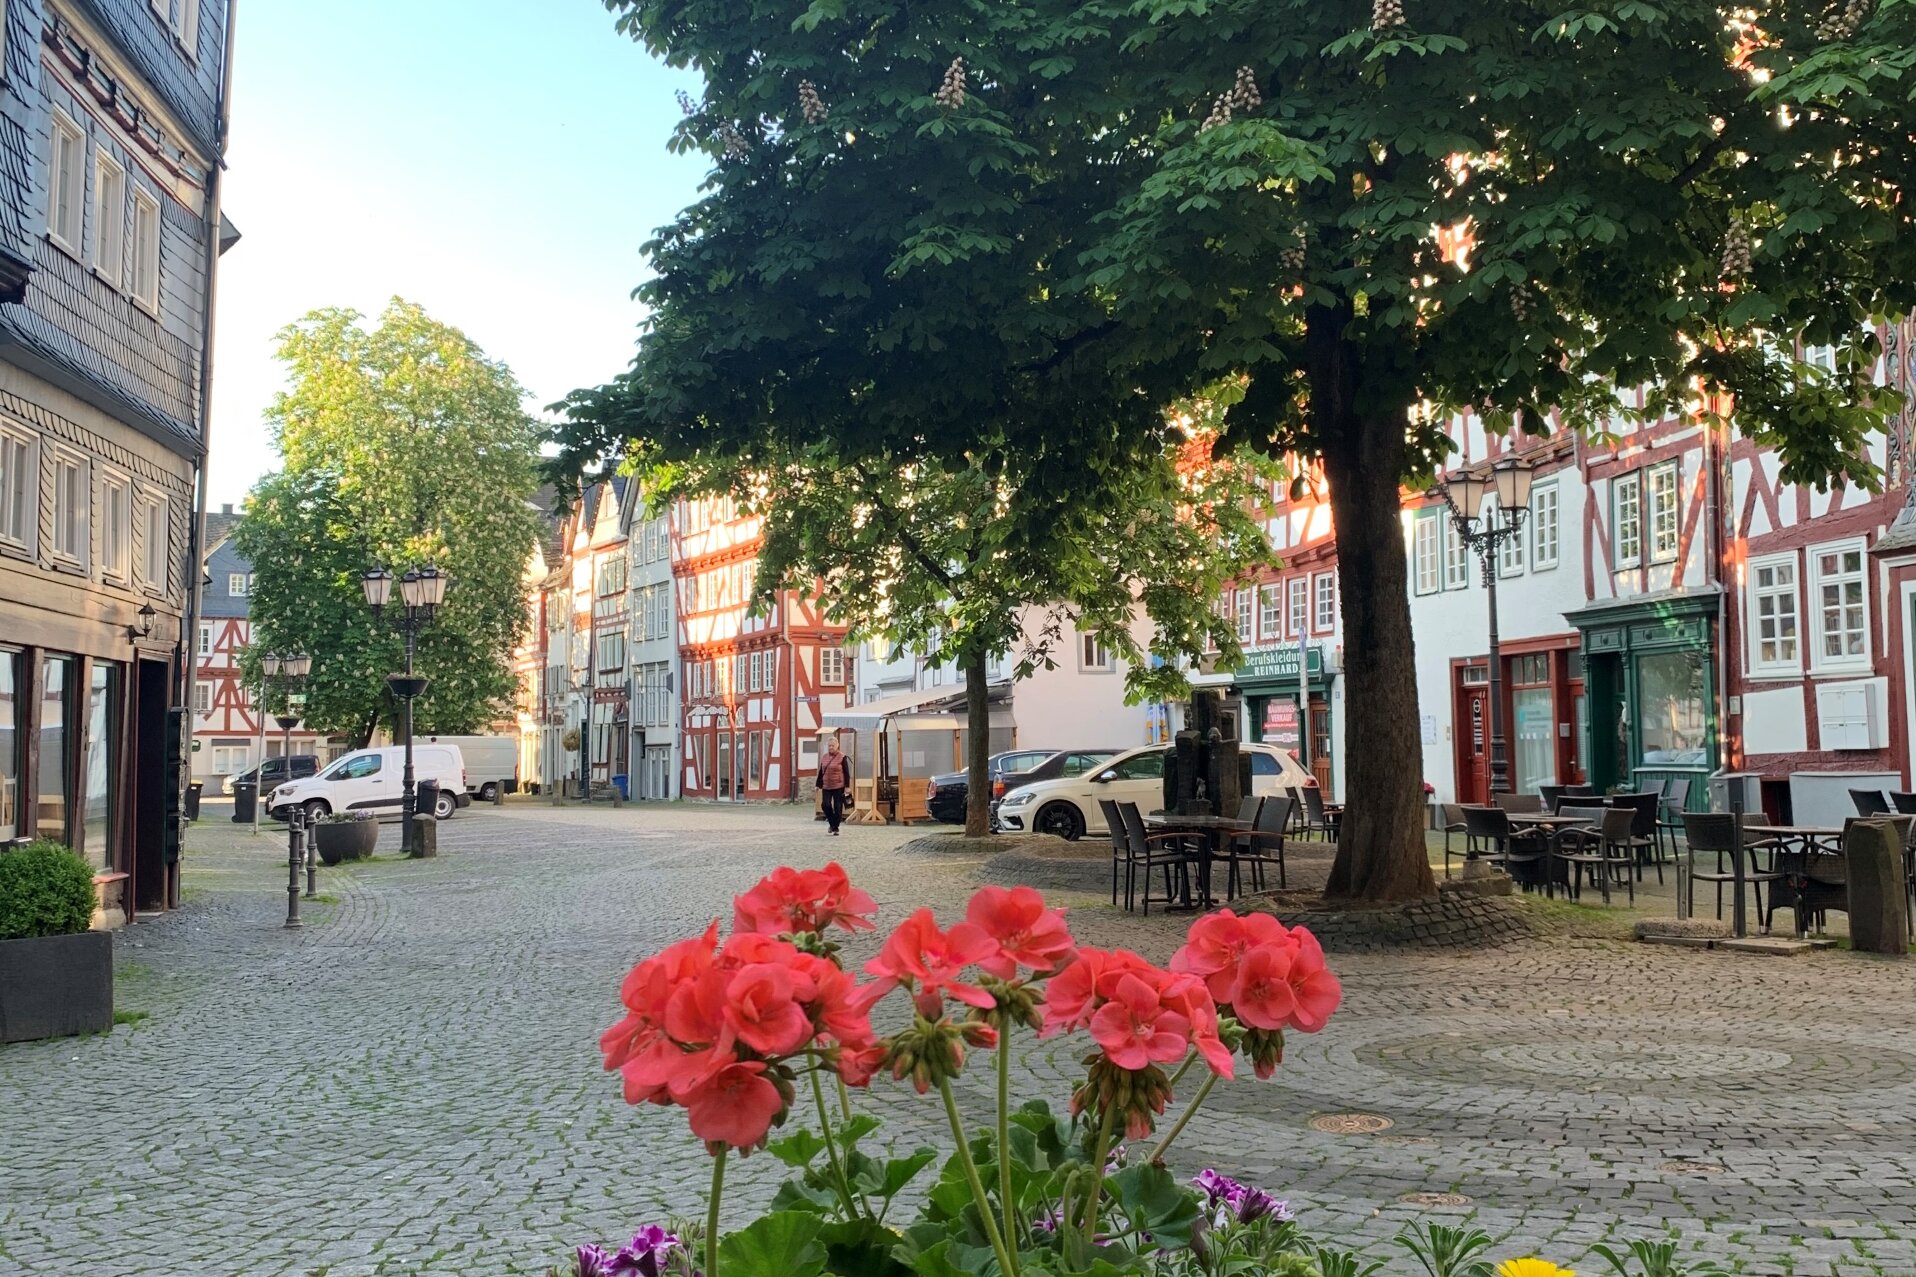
point(402, 445)
point(1670, 195)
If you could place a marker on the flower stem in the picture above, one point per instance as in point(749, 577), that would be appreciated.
point(1183, 1068)
point(1004, 1136)
point(844, 1099)
point(977, 1184)
point(712, 1212)
point(1098, 1153)
point(1196, 1101)
point(831, 1149)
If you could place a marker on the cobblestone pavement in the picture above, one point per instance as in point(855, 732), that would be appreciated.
point(411, 1085)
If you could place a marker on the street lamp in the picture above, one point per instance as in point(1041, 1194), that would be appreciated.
point(285, 671)
point(421, 591)
point(1485, 533)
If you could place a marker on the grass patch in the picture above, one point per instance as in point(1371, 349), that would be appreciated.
point(323, 898)
point(1573, 918)
point(130, 1017)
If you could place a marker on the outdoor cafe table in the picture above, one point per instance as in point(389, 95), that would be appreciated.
point(1553, 827)
point(1212, 830)
point(1800, 851)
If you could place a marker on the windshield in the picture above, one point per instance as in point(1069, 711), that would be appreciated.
point(332, 768)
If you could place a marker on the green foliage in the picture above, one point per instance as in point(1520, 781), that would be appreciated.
point(1448, 1252)
point(1653, 1259)
point(402, 444)
point(45, 890)
point(780, 1244)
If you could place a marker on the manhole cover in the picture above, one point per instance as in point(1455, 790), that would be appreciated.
point(1434, 1199)
point(1351, 1123)
point(1692, 1168)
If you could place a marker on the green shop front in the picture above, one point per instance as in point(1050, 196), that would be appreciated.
point(1650, 679)
point(1275, 712)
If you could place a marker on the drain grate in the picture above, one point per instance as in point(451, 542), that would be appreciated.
point(1351, 1123)
point(1434, 1199)
point(1692, 1168)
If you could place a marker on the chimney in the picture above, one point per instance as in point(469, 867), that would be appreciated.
point(226, 509)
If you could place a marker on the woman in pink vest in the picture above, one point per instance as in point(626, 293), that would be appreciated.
point(835, 779)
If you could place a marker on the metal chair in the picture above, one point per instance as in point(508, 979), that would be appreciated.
point(1120, 845)
point(1247, 807)
point(1143, 847)
point(1602, 847)
point(1676, 797)
point(1645, 808)
point(1521, 804)
point(1316, 821)
point(1905, 802)
point(1262, 846)
point(1297, 811)
point(1517, 854)
point(1870, 802)
point(1715, 832)
point(1452, 814)
point(1552, 796)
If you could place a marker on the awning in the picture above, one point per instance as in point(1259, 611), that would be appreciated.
point(935, 709)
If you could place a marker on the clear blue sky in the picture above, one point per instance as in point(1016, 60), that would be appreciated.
point(497, 161)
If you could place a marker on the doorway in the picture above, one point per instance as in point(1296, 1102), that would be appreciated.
point(1473, 740)
point(150, 780)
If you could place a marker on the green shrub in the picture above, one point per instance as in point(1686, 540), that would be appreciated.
point(45, 890)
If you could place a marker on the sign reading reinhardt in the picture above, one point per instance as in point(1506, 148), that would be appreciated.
point(1277, 663)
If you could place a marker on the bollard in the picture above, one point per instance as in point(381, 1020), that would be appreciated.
point(312, 865)
point(295, 854)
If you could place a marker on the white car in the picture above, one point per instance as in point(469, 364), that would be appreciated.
point(373, 780)
point(1068, 807)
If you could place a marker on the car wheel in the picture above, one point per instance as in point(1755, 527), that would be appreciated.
point(1061, 820)
point(489, 792)
point(315, 808)
point(444, 805)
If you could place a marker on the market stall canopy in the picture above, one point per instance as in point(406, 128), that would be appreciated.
point(933, 709)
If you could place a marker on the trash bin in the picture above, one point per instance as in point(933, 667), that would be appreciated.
point(245, 799)
point(619, 783)
point(426, 797)
point(193, 799)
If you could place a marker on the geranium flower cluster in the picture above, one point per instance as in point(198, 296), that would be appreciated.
point(1264, 975)
point(648, 1254)
point(711, 1027)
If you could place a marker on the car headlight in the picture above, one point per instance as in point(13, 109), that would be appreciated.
point(1020, 799)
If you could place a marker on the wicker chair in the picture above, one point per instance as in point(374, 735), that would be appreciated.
point(1523, 856)
point(1598, 850)
point(1452, 814)
point(1715, 833)
point(1149, 851)
point(1262, 846)
point(1870, 802)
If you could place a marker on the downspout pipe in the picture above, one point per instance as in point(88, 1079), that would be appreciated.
point(196, 534)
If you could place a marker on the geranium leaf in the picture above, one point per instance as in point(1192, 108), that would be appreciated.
point(781, 1244)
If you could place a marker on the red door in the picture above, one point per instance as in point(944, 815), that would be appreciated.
point(1473, 745)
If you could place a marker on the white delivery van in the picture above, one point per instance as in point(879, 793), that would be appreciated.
point(373, 780)
point(492, 763)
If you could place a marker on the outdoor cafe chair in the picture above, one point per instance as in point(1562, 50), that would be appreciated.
point(1521, 854)
point(1905, 802)
point(1870, 802)
point(1599, 850)
point(1521, 804)
point(1645, 808)
point(1316, 821)
point(1552, 796)
point(1676, 797)
point(1710, 833)
point(1452, 814)
point(1263, 845)
point(1120, 844)
point(1297, 811)
point(1149, 851)
point(1247, 808)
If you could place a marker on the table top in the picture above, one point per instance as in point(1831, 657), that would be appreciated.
point(1795, 831)
point(1166, 820)
point(1545, 818)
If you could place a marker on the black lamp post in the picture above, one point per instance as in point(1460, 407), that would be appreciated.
point(1485, 532)
point(421, 591)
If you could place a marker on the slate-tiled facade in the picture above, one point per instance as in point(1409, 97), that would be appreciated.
point(102, 420)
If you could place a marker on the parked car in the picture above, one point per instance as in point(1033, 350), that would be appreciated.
point(492, 763)
point(951, 793)
point(273, 772)
point(372, 780)
point(1065, 762)
point(1068, 806)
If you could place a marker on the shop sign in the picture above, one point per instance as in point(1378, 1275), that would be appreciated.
point(1281, 724)
point(1278, 662)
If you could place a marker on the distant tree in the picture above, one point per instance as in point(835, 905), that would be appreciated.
point(402, 445)
point(965, 567)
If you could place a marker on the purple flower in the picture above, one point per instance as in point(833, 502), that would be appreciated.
point(1217, 1188)
point(1117, 1160)
point(1049, 1222)
point(1253, 1204)
point(645, 1254)
point(591, 1261)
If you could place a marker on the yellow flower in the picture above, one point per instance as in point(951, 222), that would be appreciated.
point(1532, 1267)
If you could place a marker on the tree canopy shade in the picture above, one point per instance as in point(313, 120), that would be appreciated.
point(948, 229)
point(403, 445)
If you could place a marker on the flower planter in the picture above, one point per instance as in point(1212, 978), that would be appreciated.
point(56, 986)
point(346, 839)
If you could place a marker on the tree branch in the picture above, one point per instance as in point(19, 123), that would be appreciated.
point(892, 519)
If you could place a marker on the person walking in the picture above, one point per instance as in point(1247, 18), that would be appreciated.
point(835, 779)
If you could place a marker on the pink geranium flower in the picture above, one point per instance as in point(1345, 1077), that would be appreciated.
point(1218, 941)
point(1136, 1029)
point(1028, 935)
point(931, 961)
point(790, 901)
point(734, 1106)
point(1315, 990)
point(1262, 996)
point(761, 1010)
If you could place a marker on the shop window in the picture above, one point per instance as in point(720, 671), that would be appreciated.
point(1773, 615)
point(10, 745)
point(1838, 585)
point(59, 711)
point(100, 830)
point(1672, 727)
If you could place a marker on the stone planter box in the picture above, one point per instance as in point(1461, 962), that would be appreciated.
point(56, 986)
point(346, 839)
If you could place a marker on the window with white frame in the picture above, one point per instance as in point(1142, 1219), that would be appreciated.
point(182, 18)
point(756, 680)
point(231, 759)
point(1546, 536)
point(1773, 590)
point(72, 501)
point(1839, 587)
point(1665, 513)
point(239, 584)
point(203, 697)
point(206, 639)
point(1510, 547)
point(109, 218)
point(1269, 620)
point(1325, 584)
point(19, 488)
point(155, 544)
point(1094, 656)
point(116, 525)
point(1297, 593)
point(146, 249)
point(1626, 520)
point(831, 666)
point(1456, 555)
point(1245, 597)
point(1426, 534)
point(66, 182)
